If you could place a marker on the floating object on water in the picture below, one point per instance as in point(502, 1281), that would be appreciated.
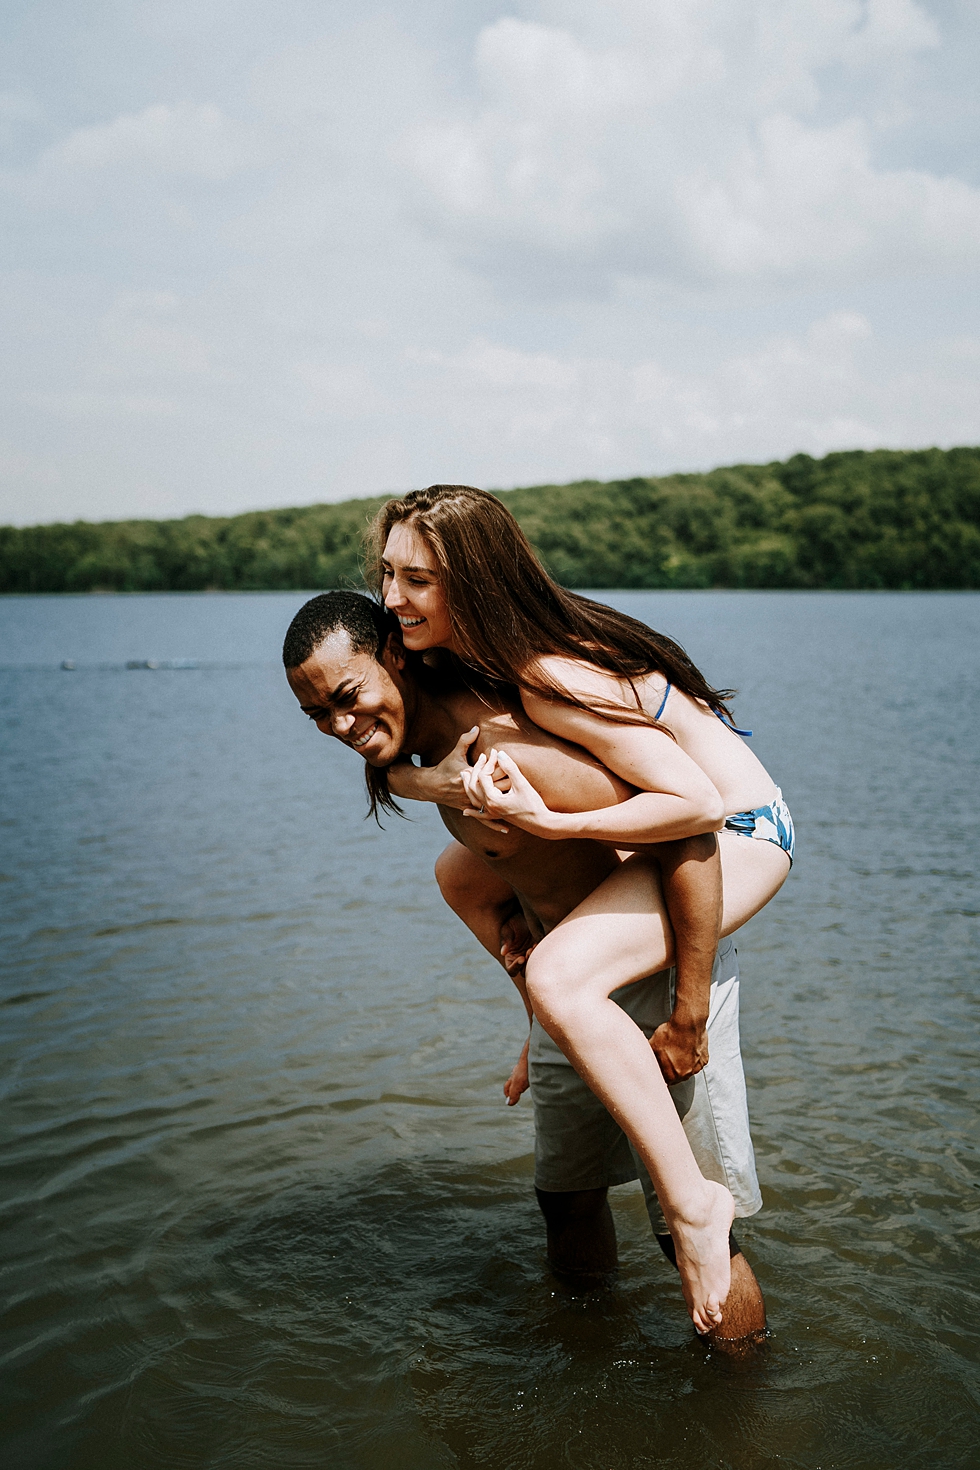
point(165, 663)
point(67, 663)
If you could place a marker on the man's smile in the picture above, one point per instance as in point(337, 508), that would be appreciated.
point(363, 739)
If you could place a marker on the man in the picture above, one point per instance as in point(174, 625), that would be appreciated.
point(347, 667)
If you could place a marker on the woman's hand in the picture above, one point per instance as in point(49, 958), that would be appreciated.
point(498, 790)
point(442, 783)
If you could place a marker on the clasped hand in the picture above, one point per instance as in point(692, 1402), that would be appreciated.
point(442, 783)
point(681, 1048)
point(499, 791)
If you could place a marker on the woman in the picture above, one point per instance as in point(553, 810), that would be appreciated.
point(458, 573)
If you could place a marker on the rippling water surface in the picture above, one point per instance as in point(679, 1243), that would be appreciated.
point(262, 1202)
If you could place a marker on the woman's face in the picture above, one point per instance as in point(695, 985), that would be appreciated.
point(413, 590)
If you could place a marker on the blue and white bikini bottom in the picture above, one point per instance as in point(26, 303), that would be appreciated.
point(771, 823)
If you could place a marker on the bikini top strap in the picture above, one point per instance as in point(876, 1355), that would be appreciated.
point(725, 719)
point(730, 724)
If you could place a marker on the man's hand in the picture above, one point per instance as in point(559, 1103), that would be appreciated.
point(442, 783)
point(516, 943)
point(681, 1047)
point(517, 1082)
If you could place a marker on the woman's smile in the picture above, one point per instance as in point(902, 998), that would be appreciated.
point(413, 590)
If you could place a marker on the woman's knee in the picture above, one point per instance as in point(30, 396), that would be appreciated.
point(555, 988)
point(562, 959)
point(538, 975)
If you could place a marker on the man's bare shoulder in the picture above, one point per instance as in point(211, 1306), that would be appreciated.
point(568, 778)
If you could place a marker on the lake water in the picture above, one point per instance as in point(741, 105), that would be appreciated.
point(263, 1204)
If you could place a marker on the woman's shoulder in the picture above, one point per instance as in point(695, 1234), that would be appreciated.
point(579, 678)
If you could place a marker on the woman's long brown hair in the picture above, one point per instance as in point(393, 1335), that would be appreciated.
point(506, 612)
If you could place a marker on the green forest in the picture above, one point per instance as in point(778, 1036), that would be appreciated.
point(904, 519)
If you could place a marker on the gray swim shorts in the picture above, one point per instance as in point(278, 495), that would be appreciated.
point(579, 1146)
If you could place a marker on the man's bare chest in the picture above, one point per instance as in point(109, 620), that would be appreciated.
point(552, 877)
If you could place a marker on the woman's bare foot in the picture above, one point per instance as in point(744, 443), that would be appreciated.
point(703, 1258)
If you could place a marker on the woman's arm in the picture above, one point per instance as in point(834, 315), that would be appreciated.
point(675, 798)
point(499, 790)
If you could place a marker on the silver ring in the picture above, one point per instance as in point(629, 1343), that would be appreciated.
point(480, 809)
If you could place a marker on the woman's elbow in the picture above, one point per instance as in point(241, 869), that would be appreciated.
point(711, 813)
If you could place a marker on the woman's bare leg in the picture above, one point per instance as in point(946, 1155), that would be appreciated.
point(624, 925)
point(617, 936)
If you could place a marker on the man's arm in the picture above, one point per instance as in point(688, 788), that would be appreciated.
point(441, 784)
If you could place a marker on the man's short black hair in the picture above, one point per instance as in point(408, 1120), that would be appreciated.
point(366, 623)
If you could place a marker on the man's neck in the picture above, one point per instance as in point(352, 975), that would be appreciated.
point(433, 729)
point(438, 720)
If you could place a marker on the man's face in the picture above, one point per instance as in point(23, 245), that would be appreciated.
point(353, 697)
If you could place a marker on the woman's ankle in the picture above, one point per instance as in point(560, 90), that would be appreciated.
point(697, 1207)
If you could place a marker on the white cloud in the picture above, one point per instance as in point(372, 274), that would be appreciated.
point(255, 255)
point(803, 203)
point(833, 384)
point(182, 138)
point(688, 161)
point(892, 26)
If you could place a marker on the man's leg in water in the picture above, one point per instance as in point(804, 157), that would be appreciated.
point(744, 1313)
point(581, 1234)
point(582, 1251)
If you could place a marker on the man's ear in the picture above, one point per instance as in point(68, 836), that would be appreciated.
point(393, 656)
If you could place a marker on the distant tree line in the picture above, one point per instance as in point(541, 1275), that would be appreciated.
point(881, 519)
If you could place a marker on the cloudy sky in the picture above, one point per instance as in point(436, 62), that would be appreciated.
point(262, 254)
